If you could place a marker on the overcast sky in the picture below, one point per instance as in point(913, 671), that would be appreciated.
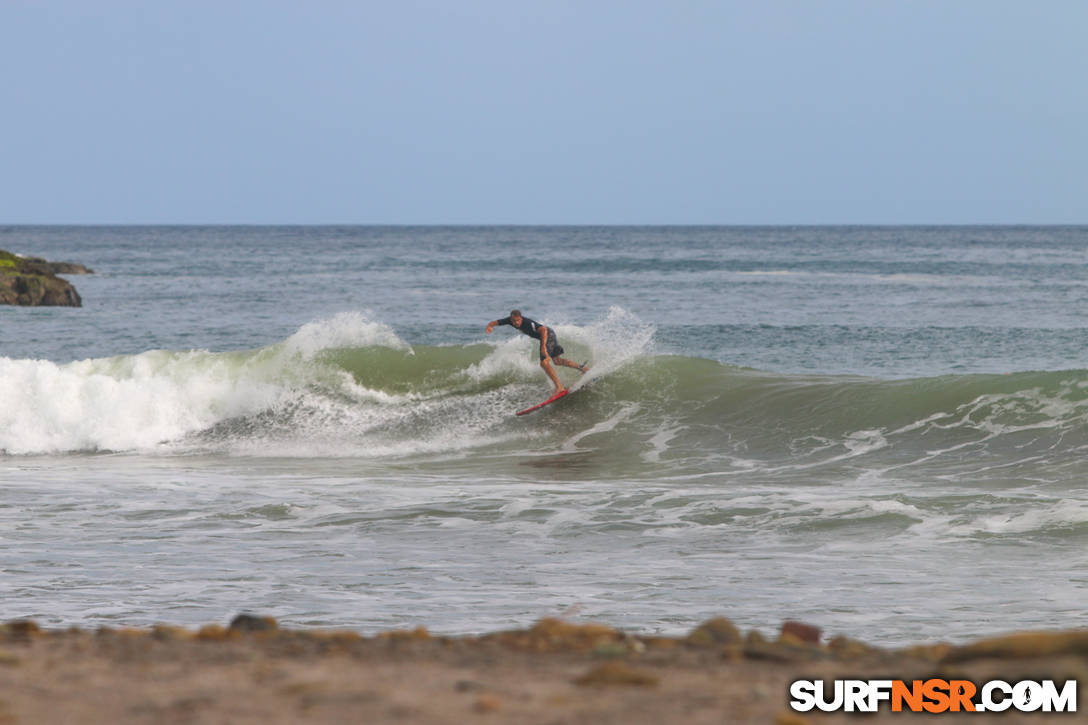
point(527, 111)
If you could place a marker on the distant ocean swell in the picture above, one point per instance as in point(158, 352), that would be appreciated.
point(350, 387)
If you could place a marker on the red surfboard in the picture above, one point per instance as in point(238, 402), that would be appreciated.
point(538, 406)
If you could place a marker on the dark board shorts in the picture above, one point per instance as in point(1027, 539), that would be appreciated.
point(554, 348)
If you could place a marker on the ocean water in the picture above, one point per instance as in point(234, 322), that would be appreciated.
point(882, 431)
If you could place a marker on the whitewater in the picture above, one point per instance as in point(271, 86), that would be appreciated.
point(878, 430)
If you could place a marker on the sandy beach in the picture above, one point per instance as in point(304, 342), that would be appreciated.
point(554, 672)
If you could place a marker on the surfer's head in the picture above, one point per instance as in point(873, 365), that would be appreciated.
point(515, 316)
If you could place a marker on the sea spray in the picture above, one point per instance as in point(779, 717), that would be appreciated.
point(147, 401)
point(128, 403)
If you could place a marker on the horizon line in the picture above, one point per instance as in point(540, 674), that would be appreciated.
point(543, 224)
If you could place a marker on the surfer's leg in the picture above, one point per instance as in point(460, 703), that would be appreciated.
point(570, 364)
point(551, 374)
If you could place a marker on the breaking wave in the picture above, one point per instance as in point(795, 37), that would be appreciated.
point(350, 387)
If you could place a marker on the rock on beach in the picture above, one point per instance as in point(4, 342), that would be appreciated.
point(555, 671)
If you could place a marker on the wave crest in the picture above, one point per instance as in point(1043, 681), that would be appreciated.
point(349, 386)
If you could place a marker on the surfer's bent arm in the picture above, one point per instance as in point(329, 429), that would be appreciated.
point(491, 325)
point(544, 342)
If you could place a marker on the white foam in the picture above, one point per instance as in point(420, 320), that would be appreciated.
point(864, 441)
point(282, 399)
point(659, 443)
point(343, 330)
point(128, 403)
point(610, 423)
point(508, 359)
point(609, 343)
point(141, 402)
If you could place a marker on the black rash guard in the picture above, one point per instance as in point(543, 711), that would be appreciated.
point(529, 327)
point(532, 329)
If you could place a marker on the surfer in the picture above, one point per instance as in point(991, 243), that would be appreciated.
point(550, 349)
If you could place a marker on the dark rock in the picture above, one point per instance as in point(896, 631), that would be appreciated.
point(714, 632)
point(249, 623)
point(806, 633)
point(554, 635)
point(755, 638)
point(850, 649)
point(59, 267)
point(32, 281)
point(20, 629)
point(1024, 645)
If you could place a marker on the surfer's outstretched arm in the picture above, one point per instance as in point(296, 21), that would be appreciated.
point(491, 325)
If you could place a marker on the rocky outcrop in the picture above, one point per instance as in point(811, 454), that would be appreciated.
point(32, 281)
point(54, 267)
